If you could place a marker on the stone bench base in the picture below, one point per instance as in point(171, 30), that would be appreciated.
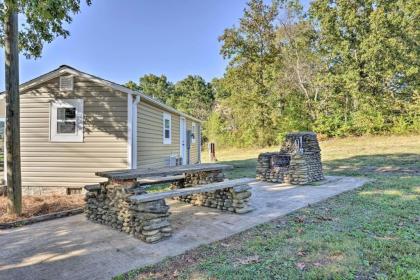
point(109, 204)
point(235, 200)
point(126, 206)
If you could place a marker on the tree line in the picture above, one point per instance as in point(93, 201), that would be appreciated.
point(340, 68)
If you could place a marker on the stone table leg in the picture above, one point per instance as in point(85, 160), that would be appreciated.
point(151, 220)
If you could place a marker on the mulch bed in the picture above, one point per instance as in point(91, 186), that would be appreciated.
point(34, 206)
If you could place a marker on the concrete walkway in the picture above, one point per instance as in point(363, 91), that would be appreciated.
point(73, 248)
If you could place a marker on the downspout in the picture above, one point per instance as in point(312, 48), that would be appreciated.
point(130, 131)
point(134, 131)
point(199, 142)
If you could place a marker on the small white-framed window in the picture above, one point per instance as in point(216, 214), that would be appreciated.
point(66, 83)
point(66, 122)
point(167, 128)
point(193, 132)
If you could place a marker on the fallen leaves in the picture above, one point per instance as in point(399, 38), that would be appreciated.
point(324, 218)
point(299, 219)
point(301, 265)
point(301, 253)
point(248, 260)
point(40, 205)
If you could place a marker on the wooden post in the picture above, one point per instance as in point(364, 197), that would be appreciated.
point(212, 152)
point(14, 188)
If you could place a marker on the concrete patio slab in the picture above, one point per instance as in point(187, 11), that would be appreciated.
point(74, 248)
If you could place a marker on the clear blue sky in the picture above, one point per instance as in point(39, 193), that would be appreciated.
point(123, 40)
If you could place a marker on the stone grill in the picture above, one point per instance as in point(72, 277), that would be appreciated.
point(298, 162)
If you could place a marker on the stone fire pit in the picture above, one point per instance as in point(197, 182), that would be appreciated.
point(298, 162)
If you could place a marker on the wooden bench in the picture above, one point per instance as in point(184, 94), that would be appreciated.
point(153, 212)
point(238, 186)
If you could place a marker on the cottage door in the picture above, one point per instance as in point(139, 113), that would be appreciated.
point(183, 140)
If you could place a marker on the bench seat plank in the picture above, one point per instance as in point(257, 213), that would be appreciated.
point(191, 190)
point(129, 174)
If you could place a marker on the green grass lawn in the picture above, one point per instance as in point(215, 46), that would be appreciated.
point(369, 233)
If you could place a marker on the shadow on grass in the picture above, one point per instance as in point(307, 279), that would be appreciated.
point(380, 164)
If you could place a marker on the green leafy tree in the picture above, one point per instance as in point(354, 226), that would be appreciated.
point(371, 49)
point(155, 86)
point(253, 58)
point(43, 21)
point(298, 81)
point(194, 96)
point(132, 85)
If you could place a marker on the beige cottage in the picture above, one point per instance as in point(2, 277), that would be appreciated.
point(74, 124)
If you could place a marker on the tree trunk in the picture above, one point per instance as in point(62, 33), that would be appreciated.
point(14, 189)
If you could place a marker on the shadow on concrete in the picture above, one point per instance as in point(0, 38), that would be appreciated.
point(74, 248)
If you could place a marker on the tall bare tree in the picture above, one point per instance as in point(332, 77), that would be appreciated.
point(43, 21)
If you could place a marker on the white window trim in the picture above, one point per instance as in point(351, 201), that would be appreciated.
point(193, 132)
point(66, 103)
point(167, 141)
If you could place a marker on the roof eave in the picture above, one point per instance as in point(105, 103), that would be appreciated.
point(70, 70)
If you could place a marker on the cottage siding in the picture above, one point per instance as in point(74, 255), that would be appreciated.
point(55, 164)
point(151, 152)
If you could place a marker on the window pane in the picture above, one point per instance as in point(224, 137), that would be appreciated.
point(166, 124)
point(66, 114)
point(167, 134)
point(66, 127)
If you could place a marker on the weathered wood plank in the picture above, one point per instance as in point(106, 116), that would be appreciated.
point(160, 180)
point(164, 171)
point(192, 190)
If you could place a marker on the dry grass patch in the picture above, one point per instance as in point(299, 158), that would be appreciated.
point(40, 205)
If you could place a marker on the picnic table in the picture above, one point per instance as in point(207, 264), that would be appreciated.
point(192, 173)
point(125, 204)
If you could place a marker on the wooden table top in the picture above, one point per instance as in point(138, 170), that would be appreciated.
point(129, 174)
